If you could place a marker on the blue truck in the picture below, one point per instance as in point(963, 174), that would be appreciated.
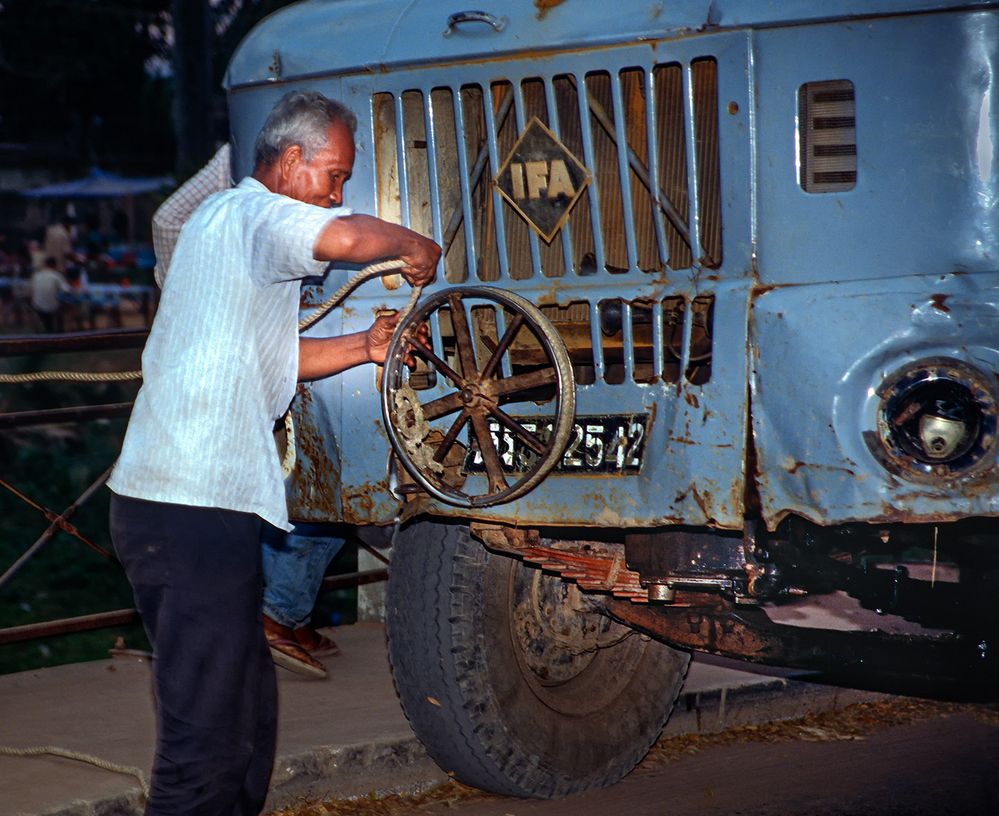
point(714, 331)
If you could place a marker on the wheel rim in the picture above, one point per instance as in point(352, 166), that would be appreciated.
point(562, 648)
point(473, 392)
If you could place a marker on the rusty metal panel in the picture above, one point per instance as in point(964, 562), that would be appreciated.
point(816, 401)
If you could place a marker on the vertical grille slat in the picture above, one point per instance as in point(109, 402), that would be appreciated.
point(464, 205)
point(594, 193)
point(652, 151)
point(464, 184)
point(622, 124)
point(658, 339)
point(597, 340)
point(565, 234)
point(433, 177)
point(635, 157)
point(404, 193)
point(705, 79)
point(498, 212)
point(693, 164)
point(628, 341)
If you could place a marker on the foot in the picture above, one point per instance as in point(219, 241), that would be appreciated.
point(314, 642)
point(288, 653)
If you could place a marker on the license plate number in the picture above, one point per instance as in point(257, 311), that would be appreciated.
point(597, 444)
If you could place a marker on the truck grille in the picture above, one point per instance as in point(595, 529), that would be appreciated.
point(437, 153)
point(438, 150)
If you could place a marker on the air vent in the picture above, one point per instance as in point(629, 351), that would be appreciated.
point(827, 130)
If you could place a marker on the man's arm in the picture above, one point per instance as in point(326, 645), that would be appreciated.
point(365, 239)
point(324, 356)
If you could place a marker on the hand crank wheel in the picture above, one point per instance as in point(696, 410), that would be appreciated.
point(488, 411)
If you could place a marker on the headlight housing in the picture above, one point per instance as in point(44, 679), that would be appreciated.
point(936, 421)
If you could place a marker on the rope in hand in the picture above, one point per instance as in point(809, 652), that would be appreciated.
point(370, 271)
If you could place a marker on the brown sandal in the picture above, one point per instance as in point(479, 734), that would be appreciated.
point(287, 653)
point(314, 642)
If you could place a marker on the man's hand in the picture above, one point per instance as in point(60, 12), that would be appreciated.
point(421, 261)
point(380, 335)
point(323, 356)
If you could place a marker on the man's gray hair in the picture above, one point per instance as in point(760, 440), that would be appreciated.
point(299, 118)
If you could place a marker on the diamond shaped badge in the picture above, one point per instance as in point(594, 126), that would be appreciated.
point(542, 179)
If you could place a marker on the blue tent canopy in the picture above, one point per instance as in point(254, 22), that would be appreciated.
point(100, 184)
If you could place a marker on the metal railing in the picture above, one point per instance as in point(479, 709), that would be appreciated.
point(107, 340)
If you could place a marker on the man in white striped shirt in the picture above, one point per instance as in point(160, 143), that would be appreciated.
point(198, 467)
point(294, 562)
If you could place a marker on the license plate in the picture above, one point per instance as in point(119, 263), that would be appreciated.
point(597, 444)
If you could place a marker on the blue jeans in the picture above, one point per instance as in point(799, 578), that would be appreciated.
point(294, 566)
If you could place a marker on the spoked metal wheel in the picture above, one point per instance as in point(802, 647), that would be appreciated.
point(489, 409)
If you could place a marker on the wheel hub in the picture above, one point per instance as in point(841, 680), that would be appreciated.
point(557, 639)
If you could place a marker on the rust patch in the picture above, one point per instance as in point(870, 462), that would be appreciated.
point(798, 465)
point(314, 479)
point(691, 399)
point(940, 302)
point(544, 6)
point(359, 507)
point(593, 565)
point(704, 502)
point(310, 296)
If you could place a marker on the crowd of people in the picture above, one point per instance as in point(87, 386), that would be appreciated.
point(45, 281)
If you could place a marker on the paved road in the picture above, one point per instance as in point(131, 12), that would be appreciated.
point(945, 766)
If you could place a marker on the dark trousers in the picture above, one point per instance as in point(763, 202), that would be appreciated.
point(51, 321)
point(197, 579)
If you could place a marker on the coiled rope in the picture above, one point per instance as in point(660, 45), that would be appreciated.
point(370, 271)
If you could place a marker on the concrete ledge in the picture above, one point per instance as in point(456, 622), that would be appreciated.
point(348, 771)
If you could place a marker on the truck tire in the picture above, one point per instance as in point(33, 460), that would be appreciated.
point(508, 680)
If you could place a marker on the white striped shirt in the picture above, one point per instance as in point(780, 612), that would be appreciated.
point(221, 362)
